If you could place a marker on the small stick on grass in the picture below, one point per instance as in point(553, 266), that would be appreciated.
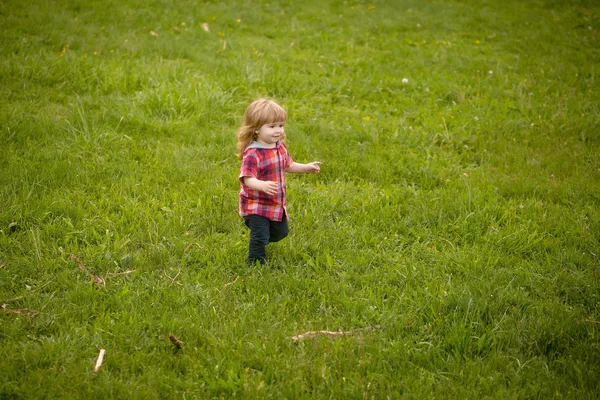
point(22, 311)
point(331, 334)
point(313, 334)
point(97, 280)
point(178, 343)
point(99, 360)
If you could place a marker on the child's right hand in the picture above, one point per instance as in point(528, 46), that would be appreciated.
point(269, 187)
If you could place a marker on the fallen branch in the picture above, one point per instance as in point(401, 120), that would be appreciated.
point(178, 343)
point(97, 280)
point(99, 360)
point(331, 334)
point(22, 311)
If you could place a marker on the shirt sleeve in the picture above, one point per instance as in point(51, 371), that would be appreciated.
point(249, 166)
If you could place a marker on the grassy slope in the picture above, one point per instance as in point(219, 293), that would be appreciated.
point(459, 211)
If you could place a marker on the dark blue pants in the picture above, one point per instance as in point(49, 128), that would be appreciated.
point(262, 232)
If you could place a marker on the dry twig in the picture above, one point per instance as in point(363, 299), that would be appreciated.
point(99, 360)
point(313, 334)
point(178, 343)
point(22, 311)
point(331, 334)
point(97, 280)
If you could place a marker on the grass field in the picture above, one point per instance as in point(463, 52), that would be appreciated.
point(453, 230)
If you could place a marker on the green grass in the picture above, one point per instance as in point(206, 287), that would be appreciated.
point(459, 211)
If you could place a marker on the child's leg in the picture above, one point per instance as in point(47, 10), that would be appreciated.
point(278, 230)
point(259, 238)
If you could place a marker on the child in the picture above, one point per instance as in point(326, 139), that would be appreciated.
point(265, 161)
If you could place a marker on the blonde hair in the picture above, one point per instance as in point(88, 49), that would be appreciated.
point(258, 113)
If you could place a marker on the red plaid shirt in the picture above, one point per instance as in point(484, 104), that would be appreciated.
point(266, 165)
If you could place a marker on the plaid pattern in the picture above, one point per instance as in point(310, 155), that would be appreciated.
point(265, 165)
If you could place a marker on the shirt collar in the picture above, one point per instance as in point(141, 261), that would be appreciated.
point(256, 145)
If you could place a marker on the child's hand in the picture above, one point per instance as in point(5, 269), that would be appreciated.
point(313, 167)
point(270, 187)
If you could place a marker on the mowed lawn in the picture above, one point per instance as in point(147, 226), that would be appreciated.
point(450, 244)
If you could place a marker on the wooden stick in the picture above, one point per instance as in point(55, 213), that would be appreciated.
point(332, 334)
point(22, 311)
point(313, 334)
point(97, 280)
point(178, 343)
point(99, 360)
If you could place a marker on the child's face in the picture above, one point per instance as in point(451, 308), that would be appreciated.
point(270, 134)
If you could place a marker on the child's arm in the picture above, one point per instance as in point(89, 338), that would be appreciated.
point(313, 167)
point(268, 187)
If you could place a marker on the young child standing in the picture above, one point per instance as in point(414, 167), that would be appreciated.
point(265, 160)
